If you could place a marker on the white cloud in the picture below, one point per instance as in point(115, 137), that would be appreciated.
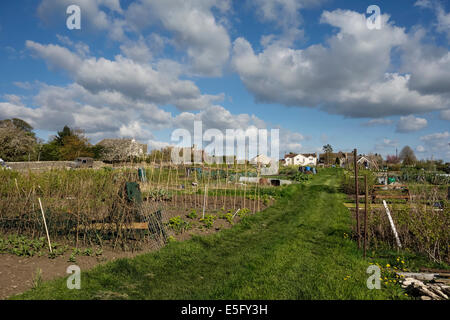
point(97, 15)
point(445, 114)
point(272, 10)
point(378, 122)
point(428, 65)
point(100, 115)
point(420, 149)
point(442, 17)
point(423, 3)
point(386, 144)
point(194, 28)
point(23, 85)
point(436, 136)
point(410, 124)
point(439, 144)
point(349, 76)
point(13, 99)
point(219, 118)
point(138, 81)
point(81, 48)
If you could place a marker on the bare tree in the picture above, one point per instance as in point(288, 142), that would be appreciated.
point(17, 142)
point(407, 156)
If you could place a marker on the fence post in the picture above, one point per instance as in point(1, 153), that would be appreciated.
point(366, 205)
point(355, 161)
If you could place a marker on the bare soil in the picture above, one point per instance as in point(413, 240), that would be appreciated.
point(17, 273)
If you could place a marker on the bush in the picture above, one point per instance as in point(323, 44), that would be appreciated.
point(421, 227)
point(178, 225)
point(208, 220)
point(75, 203)
point(193, 214)
point(348, 181)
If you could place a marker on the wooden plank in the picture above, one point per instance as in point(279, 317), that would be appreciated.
point(387, 196)
point(389, 185)
point(113, 226)
point(353, 206)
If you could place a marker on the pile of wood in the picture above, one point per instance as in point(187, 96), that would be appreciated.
point(427, 286)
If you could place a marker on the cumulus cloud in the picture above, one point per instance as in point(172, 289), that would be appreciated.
point(445, 114)
point(196, 27)
point(420, 149)
point(218, 117)
point(349, 76)
point(438, 143)
point(99, 115)
point(272, 10)
point(410, 124)
point(111, 114)
point(378, 122)
point(428, 64)
point(125, 76)
point(193, 26)
point(442, 17)
point(97, 15)
point(386, 144)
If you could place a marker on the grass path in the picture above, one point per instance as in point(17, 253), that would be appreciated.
point(295, 249)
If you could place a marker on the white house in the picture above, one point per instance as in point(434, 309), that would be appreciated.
point(261, 159)
point(305, 159)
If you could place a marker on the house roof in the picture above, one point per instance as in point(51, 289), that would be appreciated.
point(293, 155)
point(290, 155)
point(309, 154)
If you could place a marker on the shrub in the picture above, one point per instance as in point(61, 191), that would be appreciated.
point(421, 227)
point(193, 214)
point(208, 220)
point(348, 181)
point(178, 225)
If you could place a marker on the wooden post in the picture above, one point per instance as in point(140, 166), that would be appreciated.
point(366, 205)
point(355, 161)
point(204, 201)
point(45, 225)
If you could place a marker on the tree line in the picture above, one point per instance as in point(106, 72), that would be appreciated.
point(18, 142)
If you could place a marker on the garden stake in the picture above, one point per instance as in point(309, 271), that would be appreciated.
point(45, 224)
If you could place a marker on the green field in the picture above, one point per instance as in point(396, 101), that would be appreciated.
point(297, 249)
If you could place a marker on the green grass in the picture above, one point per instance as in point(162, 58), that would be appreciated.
point(296, 249)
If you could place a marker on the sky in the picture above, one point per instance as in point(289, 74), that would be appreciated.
point(313, 69)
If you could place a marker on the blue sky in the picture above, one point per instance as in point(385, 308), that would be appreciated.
point(311, 68)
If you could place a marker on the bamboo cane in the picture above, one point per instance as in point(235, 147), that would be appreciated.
point(45, 225)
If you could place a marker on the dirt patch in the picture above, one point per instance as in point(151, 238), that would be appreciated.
point(17, 273)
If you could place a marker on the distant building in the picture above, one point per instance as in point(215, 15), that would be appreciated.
point(261, 159)
point(121, 149)
point(368, 162)
point(336, 158)
point(301, 159)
